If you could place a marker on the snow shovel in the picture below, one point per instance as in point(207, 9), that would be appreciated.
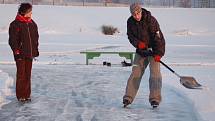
point(186, 81)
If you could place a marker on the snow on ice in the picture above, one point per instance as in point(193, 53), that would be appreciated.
point(64, 88)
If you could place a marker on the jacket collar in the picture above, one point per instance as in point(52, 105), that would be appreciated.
point(23, 19)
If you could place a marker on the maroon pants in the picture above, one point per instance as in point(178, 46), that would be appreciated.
point(23, 78)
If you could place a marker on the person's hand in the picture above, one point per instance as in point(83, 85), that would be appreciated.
point(144, 53)
point(17, 52)
point(17, 55)
point(141, 45)
point(157, 58)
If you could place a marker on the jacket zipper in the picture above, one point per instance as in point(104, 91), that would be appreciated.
point(29, 35)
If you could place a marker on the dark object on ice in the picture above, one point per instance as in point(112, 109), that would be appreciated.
point(186, 81)
point(108, 64)
point(154, 104)
point(104, 63)
point(126, 103)
point(124, 64)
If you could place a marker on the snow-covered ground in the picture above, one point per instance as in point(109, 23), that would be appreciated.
point(64, 88)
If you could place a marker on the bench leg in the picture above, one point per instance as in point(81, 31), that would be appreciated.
point(86, 59)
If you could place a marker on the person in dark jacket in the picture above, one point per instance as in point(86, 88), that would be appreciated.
point(145, 35)
point(23, 40)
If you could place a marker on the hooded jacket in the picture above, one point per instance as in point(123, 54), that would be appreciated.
point(23, 36)
point(148, 31)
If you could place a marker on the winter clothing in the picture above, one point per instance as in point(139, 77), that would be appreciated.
point(141, 45)
point(23, 40)
point(145, 35)
point(155, 79)
point(23, 78)
point(154, 104)
point(135, 7)
point(17, 52)
point(148, 31)
point(23, 37)
point(157, 58)
point(126, 102)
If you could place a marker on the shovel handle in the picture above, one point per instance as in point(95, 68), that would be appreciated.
point(167, 66)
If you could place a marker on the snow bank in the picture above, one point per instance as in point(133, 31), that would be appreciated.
point(6, 87)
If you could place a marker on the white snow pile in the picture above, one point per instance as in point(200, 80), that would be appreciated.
point(6, 87)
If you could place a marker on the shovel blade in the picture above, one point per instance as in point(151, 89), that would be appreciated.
point(190, 82)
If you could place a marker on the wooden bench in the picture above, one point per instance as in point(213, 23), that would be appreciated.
point(92, 54)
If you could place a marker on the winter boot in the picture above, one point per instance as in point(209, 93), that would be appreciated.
point(126, 102)
point(154, 104)
point(24, 100)
point(28, 99)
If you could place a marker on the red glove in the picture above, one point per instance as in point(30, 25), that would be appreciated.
point(157, 58)
point(141, 45)
point(17, 52)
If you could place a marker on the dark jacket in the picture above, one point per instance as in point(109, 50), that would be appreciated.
point(23, 36)
point(148, 31)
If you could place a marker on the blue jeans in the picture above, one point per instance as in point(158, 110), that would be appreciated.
point(155, 79)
